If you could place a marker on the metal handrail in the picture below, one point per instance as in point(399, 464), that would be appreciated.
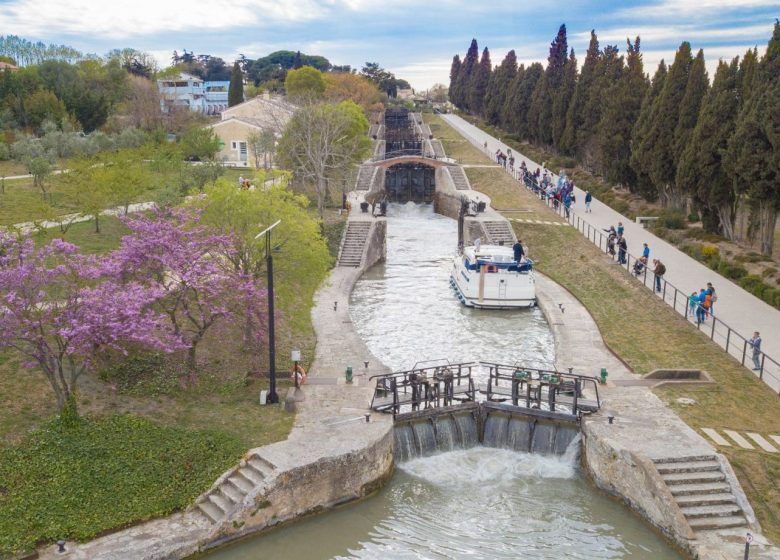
point(719, 332)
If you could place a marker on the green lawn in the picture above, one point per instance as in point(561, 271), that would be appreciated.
point(647, 334)
point(77, 481)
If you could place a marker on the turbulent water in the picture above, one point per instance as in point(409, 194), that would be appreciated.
point(471, 504)
point(406, 311)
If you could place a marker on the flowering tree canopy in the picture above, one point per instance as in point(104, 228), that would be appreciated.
point(186, 260)
point(59, 310)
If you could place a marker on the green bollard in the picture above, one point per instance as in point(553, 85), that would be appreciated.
point(603, 376)
point(348, 374)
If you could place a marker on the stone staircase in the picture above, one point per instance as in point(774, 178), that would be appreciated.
point(351, 253)
point(702, 492)
point(219, 503)
point(459, 178)
point(379, 150)
point(365, 177)
point(498, 230)
point(438, 149)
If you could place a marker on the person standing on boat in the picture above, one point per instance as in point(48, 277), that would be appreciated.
point(518, 250)
point(477, 244)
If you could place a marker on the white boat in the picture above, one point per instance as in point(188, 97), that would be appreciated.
point(491, 278)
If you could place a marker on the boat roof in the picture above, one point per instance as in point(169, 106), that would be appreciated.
point(490, 253)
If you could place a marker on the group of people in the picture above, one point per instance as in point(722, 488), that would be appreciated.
point(506, 160)
point(615, 238)
point(702, 304)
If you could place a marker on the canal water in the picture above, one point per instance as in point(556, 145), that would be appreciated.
point(479, 503)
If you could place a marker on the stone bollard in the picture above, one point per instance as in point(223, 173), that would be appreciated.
point(289, 400)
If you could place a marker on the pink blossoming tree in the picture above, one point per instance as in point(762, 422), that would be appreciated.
point(60, 310)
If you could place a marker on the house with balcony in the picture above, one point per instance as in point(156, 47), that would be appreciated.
point(190, 92)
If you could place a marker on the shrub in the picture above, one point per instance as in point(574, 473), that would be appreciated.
point(769, 272)
point(710, 251)
point(704, 235)
point(731, 270)
point(672, 219)
point(620, 206)
point(753, 284)
point(693, 217)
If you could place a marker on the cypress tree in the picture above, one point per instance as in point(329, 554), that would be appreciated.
point(575, 113)
point(297, 62)
point(479, 84)
point(606, 74)
point(517, 110)
point(466, 74)
point(562, 99)
point(236, 88)
point(454, 73)
point(663, 169)
point(498, 89)
point(641, 136)
point(623, 104)
point(701, 171)
point(698, 84)
point(541, 112)
point(755, 146)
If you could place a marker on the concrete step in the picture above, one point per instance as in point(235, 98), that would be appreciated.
point(241, 482)
point(688, 467)
point(692, 500)
point(232, 492)
point(221, 501)
point(721, 510)
point(715, 523)
point(693, 478)
point(685, 459)
point(261, 465)
point(256, 478)
point(698, 489)
point(214, 513)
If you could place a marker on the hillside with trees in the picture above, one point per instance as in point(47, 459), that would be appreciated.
point(708, 148)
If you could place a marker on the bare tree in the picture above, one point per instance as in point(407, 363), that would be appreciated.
point(322, 142)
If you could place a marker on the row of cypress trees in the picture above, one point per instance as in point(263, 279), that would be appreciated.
point(675, 138)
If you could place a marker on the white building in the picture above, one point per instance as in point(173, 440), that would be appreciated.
point(188, 91)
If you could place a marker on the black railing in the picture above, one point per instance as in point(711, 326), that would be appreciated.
point(542, 389)
point(424, 387)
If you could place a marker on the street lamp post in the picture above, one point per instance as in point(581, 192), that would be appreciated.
point(273, 397)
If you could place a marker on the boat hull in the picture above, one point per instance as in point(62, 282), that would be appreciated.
point(527, 299)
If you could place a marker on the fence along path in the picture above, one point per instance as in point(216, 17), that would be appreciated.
point(739, 313)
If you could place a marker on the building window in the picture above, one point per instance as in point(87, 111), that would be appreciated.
point(234, 145)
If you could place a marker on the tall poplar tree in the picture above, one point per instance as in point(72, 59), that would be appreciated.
point(454, 94)
point(479, 84)
point(642, 136)
point(575, 114)
point(498, 89)
point(695, 90)
point(562, 99)
point(236, 89)
point(541, 111)
point(701, 171)
point(623, 102)
point(466, 74)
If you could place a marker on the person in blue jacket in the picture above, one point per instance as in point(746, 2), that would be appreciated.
point(588, 200)
point(645, 251)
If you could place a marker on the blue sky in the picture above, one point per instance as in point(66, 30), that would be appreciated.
point(414, 39)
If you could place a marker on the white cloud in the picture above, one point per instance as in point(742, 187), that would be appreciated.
point(122, 19)
point(693, 8)
point(673, 34)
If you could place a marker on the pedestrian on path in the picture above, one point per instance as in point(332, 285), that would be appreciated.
point(659, 272)
point(620, 229)
point(755, 342)
point(693, 303)
point(622, 249)
point(588, 200)
point(714, 295)
point(645, 251)
point(701, 314)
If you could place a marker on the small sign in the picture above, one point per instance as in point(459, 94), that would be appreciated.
point(296, 356)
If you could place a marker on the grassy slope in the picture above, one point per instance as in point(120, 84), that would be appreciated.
point(647, 335)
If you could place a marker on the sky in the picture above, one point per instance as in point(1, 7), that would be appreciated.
point(414, 39)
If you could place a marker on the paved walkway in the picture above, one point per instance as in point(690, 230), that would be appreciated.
point(742, 311)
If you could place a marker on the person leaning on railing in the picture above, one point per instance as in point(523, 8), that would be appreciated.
point(755, 342)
